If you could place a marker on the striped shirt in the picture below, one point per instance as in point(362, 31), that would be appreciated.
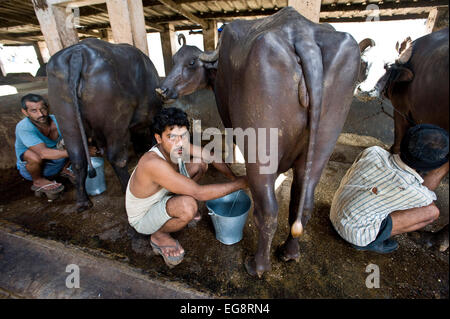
point(377, 184)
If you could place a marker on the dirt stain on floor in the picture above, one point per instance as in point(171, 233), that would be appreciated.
point(328, 267)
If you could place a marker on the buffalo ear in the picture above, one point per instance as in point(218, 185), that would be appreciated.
point(403, 75)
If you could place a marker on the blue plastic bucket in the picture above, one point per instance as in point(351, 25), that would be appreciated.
point(229, 214)
point(96, 185)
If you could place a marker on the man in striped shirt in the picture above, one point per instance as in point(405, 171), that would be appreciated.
point(384, 194)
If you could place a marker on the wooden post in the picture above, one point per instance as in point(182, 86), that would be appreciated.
point(37, 50)
point(437, 19)
point(119, 18)
point(310, 9)
point(168, 45)
point(44, 51)
point(210, 36)
point(127, 22)
point(56, 25)
point(138, 25)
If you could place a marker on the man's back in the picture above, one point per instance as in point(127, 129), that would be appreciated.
point(377, 184)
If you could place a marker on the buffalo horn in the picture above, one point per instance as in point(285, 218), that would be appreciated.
point(364, 44)
point(181, 38)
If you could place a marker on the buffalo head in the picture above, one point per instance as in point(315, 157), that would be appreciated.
point(190, 72)
point(373, 75)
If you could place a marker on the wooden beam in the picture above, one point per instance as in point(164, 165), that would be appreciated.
point(168, 46)
point(310, 9)
point(74, 3)
point(127, 22)
point(37, 50)
point(437, 19)
point(119, 18)
point(138, 25)
point(56, 26)
point(210, 36)
point(408, 4)
point(178, 9)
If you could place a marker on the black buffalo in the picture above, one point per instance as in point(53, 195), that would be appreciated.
point(282, 72)
point(105, 93)
point(417, 85)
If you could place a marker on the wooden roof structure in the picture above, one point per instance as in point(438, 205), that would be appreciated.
point(19, 24)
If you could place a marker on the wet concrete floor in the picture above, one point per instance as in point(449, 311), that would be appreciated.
point(328, 267)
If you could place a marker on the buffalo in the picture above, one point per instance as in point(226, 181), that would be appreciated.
point(282, 72)
point(105, 93)
point(417, 85)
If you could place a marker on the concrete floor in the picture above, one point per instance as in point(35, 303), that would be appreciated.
point(328, 267)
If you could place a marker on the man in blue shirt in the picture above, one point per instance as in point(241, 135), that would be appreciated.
point(37, 151)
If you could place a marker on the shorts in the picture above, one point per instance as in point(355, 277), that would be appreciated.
point(384, 232)
point(155, 218)
point(51, 167)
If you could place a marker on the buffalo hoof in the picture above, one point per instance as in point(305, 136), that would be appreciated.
point(253, 269)
point(81, 207)
point(289, 251)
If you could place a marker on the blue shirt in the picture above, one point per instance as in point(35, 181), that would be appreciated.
point(27, 135)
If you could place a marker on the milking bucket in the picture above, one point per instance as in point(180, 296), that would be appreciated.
point(229, 214)
point(96, 185)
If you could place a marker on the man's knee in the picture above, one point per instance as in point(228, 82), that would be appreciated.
point(432, 212)
point(31, 157)
point(189, 207)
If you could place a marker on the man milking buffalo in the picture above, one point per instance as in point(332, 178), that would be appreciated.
point(385, 194)
point(38, 147)
point(162, 193)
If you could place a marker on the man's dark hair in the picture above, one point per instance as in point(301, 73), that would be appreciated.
point(169, 117)
point(425, 147)
point(31, 98)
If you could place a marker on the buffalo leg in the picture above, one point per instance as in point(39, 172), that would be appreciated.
point(79, 168)
point(265, 215)
point(117, 153)
point(290, 248)
point(401, 125)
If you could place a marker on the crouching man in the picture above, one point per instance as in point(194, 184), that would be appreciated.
point(162, 192)
point(385, 194)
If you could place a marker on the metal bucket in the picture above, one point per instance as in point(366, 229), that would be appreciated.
point(229, 214)
point(96, 185)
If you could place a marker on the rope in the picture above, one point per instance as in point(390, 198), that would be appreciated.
point(403, 115)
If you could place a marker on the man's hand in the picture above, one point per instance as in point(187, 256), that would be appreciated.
point(243, 181)
point(93, 151)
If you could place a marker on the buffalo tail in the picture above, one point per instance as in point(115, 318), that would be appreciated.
point(75, 66)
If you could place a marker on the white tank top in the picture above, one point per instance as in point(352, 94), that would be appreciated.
point(137, 207)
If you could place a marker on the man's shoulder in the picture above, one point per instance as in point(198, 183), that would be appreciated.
point(24, 124)
point(151, 159)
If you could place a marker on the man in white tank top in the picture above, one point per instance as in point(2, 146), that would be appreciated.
point(162, 192)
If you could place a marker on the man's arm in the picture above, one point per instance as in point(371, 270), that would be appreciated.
point(48, 153)
point(52, 153)
point(163, 174)
point(198, 152)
